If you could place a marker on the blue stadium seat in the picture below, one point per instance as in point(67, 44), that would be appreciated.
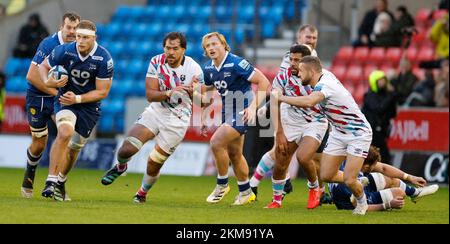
point(12, 66)
point(106, 123)
point(138, 88)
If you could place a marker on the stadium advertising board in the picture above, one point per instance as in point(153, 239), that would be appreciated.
point(13, 151)
point(188, 160)
point(433, 167)
point(15, 116)
point(420, 130)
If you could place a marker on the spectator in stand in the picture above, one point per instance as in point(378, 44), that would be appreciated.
point(441, 88)
point(439, 36)
point(405, 81)
point(366, 27)
point(2, 98)
point(379, 108)
point(30, 36)
point(382, 35)
point(423, 93)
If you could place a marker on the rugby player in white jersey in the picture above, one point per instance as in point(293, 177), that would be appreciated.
point(296, 128)
point(169, 87)
point(351, 133)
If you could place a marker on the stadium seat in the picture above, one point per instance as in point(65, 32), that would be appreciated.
point(422, 17)
point(420, 73)
point(354, 74)
point(12, 66)
point(439, 14)
point(368, 69)
point(376, 55)
point(393, 55)
point(411, 54)
point(339, 71)
point(358, 94)
point(425, 54)
point(361, 54)
point(344, 55)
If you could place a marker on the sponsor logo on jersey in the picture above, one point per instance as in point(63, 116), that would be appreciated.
point(70, 54)
point(99, 58)
point(229, 65)
point(226, 74)
point(244, 64)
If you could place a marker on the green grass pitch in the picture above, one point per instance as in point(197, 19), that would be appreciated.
point(176, 199)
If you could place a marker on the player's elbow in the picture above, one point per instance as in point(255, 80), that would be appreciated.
point(150, 96)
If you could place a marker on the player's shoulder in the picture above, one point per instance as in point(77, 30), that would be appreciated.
point(102, 52)
point(52, 40)
point(237, 61)
point(190, 61)
point(159, 59)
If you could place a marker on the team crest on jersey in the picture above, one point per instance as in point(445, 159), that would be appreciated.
point(109, 64)
point(244, 64)
point(32, 111)
point(182, 77)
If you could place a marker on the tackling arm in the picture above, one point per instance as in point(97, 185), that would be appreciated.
point(304, 101)
point(34, 77)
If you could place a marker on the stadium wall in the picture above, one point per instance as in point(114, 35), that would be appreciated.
point(51, 12)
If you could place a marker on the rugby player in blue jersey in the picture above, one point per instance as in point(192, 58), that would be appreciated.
point(39, 105)
point(232, 76)
point(90, 69)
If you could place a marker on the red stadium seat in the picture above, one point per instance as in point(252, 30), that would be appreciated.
point(425, 54)
point(393, 55)
point(376, 55)
point(339, 71)
point(422, 17)
point(358, 94)
point(354, 75)
point(418, 38)
point(344, 55)
point(439, 14)
point(361, 55)
point(411, 54)
point(368, 69)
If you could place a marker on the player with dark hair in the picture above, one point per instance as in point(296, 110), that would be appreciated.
point(169, 88)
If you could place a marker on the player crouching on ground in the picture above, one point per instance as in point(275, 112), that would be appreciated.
point(383, 184)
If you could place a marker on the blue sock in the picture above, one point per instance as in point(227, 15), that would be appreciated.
point(409, 190)
point(222, 180)
point(243, 186)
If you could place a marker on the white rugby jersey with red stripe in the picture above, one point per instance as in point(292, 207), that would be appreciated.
point(170, 78)
point(291, 86)
point(340, 107)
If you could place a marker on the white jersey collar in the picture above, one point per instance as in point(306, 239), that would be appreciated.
point(221, 64)
point(90, 54)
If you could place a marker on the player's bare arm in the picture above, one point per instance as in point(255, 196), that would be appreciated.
point(263, 85)
point(50, 82)
point(304, 101)
point(280, 137)
point(393, 172)
point(34, 78)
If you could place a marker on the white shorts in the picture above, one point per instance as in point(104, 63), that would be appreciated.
point(341, 145)
point(380, 181)
point(295, 127)
point(168, 128)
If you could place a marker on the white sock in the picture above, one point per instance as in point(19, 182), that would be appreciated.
point(62, 178)
point(313, 185)
point(362, 200)
point(52, 178)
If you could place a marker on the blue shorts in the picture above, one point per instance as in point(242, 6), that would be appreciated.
point(39, 110)
point(235, 121)
point(87, 117)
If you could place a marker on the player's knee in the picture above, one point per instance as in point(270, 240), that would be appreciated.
point(349, 180)
point(77, 142)
point(158, 157)
point(65, 132)
point(216, 144)
point(130, 146)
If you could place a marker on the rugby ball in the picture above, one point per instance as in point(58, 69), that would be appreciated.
point(58, 72)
